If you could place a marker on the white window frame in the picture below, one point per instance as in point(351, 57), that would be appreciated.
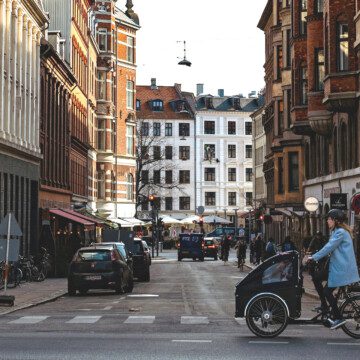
point(102, 33)
point(130, 140)
point(101, 85)
point(130, 92)
point(130, 49)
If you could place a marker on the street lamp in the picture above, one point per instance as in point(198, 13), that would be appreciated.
point(184, 61)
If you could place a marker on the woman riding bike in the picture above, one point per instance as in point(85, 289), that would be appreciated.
point(342, 267)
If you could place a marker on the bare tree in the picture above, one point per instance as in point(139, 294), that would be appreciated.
point(154, 163)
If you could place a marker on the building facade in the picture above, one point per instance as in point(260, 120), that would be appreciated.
point(21, 26)
point(166, 150)
point(224, 154)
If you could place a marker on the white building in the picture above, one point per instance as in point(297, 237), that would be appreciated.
point(224, 153)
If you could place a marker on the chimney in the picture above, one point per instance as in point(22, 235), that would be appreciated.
point(221, 92)
point(199, 89)
point(153, 84)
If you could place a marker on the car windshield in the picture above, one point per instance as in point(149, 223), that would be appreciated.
point(94, 255)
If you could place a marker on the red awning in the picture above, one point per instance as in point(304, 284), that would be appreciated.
point(71, 217)
point(84, 217)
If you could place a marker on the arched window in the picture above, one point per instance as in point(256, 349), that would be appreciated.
point(130, 187)
point(342, 44)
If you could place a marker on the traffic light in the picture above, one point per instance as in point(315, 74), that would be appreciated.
point(261, 217)
point(152, 199)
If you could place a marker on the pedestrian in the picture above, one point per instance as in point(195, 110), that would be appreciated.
point(225, 248)
point(269, 249)
point(259, 245)
point(240, 248)
point(342, 264)
point(288, 244)
point(252, 251)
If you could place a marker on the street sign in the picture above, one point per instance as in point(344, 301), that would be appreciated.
point(311, 204)
point(200, 210)
point(338, 201)
point(14, 226)
point(14, 248)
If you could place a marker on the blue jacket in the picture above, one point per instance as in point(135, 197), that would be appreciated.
point(342, 268)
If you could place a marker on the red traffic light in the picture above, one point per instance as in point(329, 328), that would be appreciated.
point(261, 217)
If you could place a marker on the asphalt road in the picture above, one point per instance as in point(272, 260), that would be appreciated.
point(186, 311)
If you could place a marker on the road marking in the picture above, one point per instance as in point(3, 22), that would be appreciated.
point(107, 308)
point(312, 325)
point(140, 320)
point(343, 344)
point(143, 296)
point(268, 342)
point(240, 321)
point(237, 277)
point(194, 320)
point(192, 341)
point(84, 320)
point(28, 320)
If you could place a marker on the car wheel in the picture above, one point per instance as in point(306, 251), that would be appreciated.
point(130, 285)
point(71, 289)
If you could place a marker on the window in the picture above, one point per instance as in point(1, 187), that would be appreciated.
point(157, 177)
point(231, 128)
point(320, 69)
point(303, 14)
point(280, 105)
point(130, 49)
point(184, 129)
point(157, 105)
point(138, 105)
point(102, 39)
point(184, 203)
point(184, 176)
point(184, 152)
point(287, 57)
point(210, 198)
point(168, 129)
point(280, 175)
point(145, 176)
point(168, 203)
point(231, 151)
point(209, 174)
point(248, 151)
point(130, 187)
point(144, 152)
point(145, 129)
point(156, 152)
point(232, 198)
point(129, 140)
point(168, 152)
point(303, 84)
point(248, 196)
point(248, 128)
point(156, 129)
point(343, 47)
point(209, 127)
point(293, 171)
point(130, 94)
point(101, 134)
point(319, 6)
point(231, 174)
point(102, 85)
point(101, 185)
point(168, 177)
point(248, 174)
point(209, 152)
point(279, 61)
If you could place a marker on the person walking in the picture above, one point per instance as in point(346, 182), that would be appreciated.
point(342, 264)
point(269, 249)
point(288, 244)
point(225, 248)
point(259, 245)
point(240, 248)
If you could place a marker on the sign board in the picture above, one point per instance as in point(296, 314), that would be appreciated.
point(311, 204)
point(14, 247)
point(355, 203)
point(200, 210)
point(338, 201)
point(14, 226)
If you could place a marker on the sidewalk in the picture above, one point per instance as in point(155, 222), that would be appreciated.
point(34, 293)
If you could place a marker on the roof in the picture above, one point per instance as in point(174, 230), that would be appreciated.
point(120, 15)
point(265, 15)
point(169, 95)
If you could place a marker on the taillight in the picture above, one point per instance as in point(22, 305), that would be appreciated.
point(211, 247)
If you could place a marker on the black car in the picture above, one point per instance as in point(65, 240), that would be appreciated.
point(141, 260)
point(99, 267)
point(211, 248)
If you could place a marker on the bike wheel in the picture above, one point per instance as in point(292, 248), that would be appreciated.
point(35, 274)
point(350, 310)
point(266, 316)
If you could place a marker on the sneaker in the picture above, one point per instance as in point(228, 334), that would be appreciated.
point(335, 324)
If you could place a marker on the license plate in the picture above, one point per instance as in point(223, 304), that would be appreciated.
point(93, 277)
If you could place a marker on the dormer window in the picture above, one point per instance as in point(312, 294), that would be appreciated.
point(236, 103)
point(138, 104)
point(209, 103)
point(157, 105)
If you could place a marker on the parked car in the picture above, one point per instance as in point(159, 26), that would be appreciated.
point(191, 246)
point(228, 231)
point(141, 260)
point(211, 247)
point(99, 267)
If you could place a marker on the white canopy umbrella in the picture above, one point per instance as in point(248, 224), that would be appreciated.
point(134, 221)
point(213, 219)
point(123, 223)
point(190, 220)
point(168, 220)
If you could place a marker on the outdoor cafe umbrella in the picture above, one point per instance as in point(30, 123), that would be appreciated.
point(168, 220)
point(213, 219)
point(190, 220)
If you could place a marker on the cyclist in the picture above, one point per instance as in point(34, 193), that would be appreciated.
point(240, 248)
point(342, 267)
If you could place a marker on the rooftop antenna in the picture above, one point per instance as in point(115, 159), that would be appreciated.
point(184, 61)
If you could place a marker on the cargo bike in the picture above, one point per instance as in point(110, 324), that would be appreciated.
point(269, 298)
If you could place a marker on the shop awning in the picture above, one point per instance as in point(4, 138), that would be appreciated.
point(88, 218)
point(121, 222)
point(71, 217)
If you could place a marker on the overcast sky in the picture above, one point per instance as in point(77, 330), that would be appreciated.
point(222, 41)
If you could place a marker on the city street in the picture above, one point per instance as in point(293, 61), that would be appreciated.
point(185, 311)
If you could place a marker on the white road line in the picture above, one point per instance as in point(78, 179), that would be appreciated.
point(343, 344)
point(240, 321)
point(192, 341)
point(28, 320)
point(84, 320)
point(315, 325)
point(269, 342)
point(140, 320)
point(143, 296)
point(194, 320)
point(107, 308)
